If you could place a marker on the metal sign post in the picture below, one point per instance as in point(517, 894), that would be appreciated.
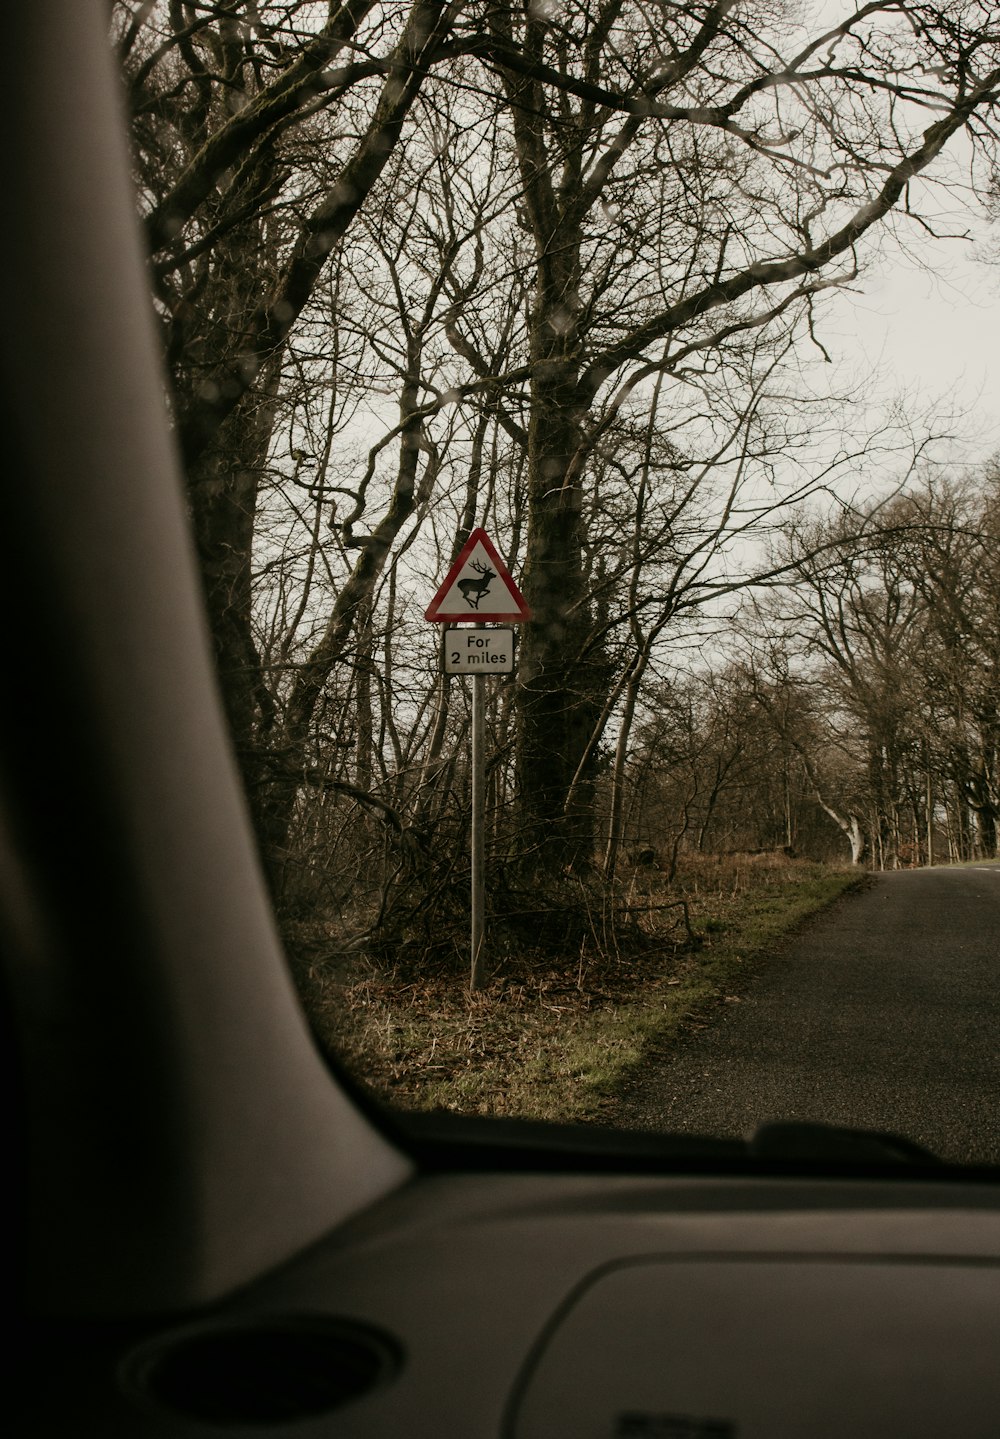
point(478, 829)
point(478, 591)
point(478, 652)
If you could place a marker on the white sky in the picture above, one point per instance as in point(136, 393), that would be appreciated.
point(929, 334)
point(920, 340)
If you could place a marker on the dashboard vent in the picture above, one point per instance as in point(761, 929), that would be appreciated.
point(268, 1372)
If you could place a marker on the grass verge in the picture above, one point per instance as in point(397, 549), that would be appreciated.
point(556, 1041)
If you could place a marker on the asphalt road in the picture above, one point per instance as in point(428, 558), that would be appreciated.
point(883, 1013)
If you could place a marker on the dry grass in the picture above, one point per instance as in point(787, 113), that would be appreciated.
point(554, 1040)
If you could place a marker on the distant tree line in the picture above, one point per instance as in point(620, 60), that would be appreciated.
point(857, 712)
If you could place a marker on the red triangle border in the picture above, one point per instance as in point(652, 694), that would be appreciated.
point(478, 537)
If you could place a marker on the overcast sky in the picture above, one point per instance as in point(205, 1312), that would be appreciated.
point(929, 332)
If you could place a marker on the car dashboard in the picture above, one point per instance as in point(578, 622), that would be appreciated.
point(526, 1306)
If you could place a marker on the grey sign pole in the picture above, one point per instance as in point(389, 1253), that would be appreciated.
point(477, 651)
point(466, 597)
point(478, 826)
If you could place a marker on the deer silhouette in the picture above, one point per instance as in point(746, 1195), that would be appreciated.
point(477, 588)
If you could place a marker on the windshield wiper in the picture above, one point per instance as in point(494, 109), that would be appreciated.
point(444, 1140)
point(791, 1140)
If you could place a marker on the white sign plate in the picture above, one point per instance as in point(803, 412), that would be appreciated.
point(478, 652)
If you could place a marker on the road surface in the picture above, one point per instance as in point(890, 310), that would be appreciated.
point(883, 1013)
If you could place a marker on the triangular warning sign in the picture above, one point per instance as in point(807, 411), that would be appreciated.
point(478, 588)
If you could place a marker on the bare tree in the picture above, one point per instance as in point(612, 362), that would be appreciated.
point(687, 178)
point(434, 264)
point(260, 130)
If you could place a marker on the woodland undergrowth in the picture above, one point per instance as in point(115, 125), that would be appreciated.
point(584, 984)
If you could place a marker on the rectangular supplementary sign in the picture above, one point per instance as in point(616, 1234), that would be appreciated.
point(478, 652)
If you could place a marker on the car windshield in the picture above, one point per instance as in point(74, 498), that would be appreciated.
point(589, 421)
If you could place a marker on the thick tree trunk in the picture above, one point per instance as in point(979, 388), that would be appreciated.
point(222, 493)
point(986, 831)
point(851, 825)
point(559, 685)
